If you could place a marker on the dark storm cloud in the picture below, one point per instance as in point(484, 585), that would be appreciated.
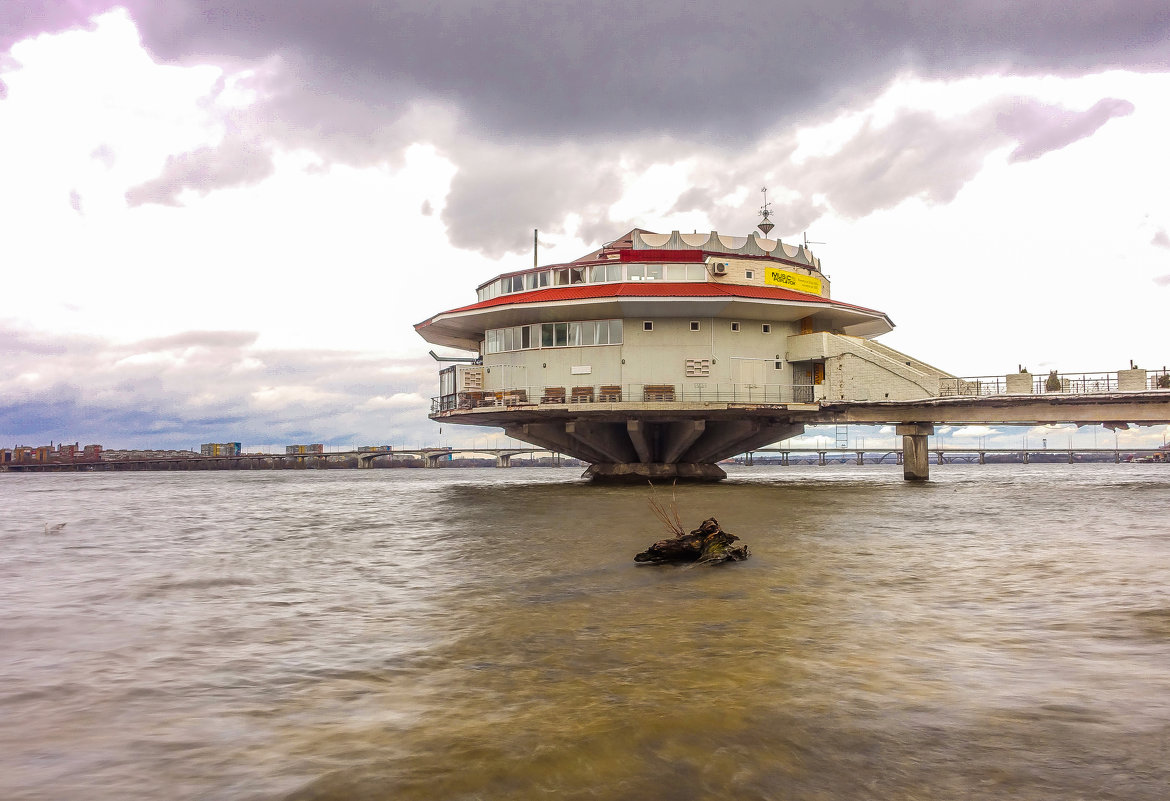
point(233, 162)
point(1042, 129)
point(204, 386)
point(710, 71)
point(716, 71)
point(544, 107)
point(20, 19)
point(911, 154)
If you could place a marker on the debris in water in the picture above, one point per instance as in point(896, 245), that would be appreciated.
point(707, 545)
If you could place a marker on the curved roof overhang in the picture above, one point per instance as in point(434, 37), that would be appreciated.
point(464, 327)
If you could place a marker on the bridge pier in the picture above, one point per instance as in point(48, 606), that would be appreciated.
point(982, 457)
point(915, 451)
point(640, 473)
point(784, 458)
point(861, 457)
point(1026, 458)
point(504, 460)
point(938, 457)
point(821, 458)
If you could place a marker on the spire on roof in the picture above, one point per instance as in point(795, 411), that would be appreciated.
point(765, 212)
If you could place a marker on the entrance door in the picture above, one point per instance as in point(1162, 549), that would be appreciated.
point(802, 381)
point(748, 377)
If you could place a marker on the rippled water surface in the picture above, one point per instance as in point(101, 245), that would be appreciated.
point(1002, 632)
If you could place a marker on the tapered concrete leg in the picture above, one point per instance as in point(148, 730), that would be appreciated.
point(915, 455)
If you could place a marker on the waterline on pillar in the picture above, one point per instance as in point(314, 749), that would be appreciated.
point(638, 472)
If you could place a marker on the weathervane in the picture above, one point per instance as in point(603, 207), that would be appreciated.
point(765, 212)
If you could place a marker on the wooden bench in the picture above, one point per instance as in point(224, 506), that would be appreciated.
point(553, 395)
point(658, 392)
point(611, 393)
point(515, 397)
point(581, 395)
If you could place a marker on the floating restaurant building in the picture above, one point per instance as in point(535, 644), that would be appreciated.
point(658, 355)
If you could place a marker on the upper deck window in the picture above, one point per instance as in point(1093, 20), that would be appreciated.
point(596, 274)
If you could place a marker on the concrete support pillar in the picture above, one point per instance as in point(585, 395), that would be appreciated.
point(1025, 457)
point(821, 460)
point(1117, 457)
point(982, 457)
point(784, 458)
point(861, 457)
point(938, 457)
point(503, 460)
point(636, 430)
point(915, 452)
point(1070, 457)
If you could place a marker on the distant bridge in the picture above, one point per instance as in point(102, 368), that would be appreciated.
point(954, 454)
point(432, 457)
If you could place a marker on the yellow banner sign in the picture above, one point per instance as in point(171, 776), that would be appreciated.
point(801, 283)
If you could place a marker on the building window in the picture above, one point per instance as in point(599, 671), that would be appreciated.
point(766, 328)
point(698, 368)
point(553, 335)
point(778, 365)
point(735, 326)
point(749, 274)
point(648, 325)
point(694, 325)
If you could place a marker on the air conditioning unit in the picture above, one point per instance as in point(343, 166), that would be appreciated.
point(719, 268)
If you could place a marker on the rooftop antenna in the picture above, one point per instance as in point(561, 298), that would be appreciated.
point(808, 241)
point(765, 212)
point(534, 233)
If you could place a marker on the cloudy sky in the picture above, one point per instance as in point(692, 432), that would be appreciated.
point(220, 220)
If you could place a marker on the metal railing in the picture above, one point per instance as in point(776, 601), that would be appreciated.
point(628, 393)
point(1054, 383)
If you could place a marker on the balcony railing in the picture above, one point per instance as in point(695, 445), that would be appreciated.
point(1052, 384)
point(628, 393)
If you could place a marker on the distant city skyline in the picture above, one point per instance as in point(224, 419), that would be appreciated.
point(223, 227)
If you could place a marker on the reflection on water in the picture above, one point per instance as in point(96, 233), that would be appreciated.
point(1002, 632)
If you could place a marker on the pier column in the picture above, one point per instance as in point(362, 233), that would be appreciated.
point(504, 460)
point(784, 458)
point(938, 457)
point(861, 457)
point(915, 454)
point(821, 454)
point(982, 457)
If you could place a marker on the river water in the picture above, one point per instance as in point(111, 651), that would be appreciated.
point(1001, 632)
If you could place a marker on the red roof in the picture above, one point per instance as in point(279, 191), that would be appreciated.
point(652, 289)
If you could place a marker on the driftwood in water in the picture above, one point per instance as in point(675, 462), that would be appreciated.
point(708, 544)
